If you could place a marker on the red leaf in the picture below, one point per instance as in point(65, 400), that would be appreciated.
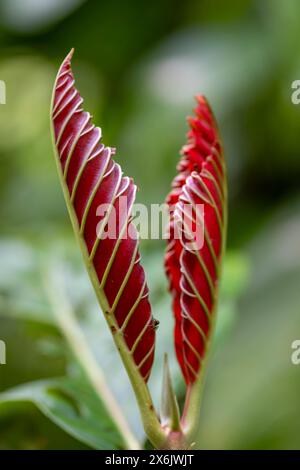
point(193, 271)
point(91, 178)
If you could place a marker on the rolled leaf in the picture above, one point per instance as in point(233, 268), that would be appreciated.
point(100, 199)
point(193, 269)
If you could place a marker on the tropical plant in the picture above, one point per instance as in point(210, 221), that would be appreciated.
point(90, 178)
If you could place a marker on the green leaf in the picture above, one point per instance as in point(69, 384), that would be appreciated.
point(21, 293)
point(73, 406)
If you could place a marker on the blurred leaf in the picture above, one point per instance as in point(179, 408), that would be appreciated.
point(36, 75)
point(24, 427)
point(73, 406)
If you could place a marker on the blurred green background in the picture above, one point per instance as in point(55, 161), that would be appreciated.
point(138, 65)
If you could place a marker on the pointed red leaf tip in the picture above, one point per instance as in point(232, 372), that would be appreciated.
point(93, 178)
point(192, 270)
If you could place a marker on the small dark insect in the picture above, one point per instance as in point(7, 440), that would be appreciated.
point(155, 323)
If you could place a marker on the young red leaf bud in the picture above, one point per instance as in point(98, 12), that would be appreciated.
point(197, 203)
point(95, 191)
